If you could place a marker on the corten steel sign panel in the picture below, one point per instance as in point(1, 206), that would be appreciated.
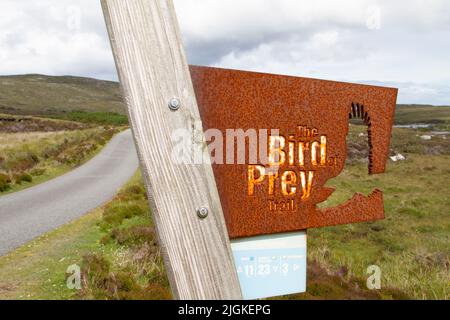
point(312, 116)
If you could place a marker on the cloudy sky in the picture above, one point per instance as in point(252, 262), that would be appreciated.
point(397, 43)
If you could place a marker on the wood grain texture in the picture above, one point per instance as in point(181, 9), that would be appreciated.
point(152, 68)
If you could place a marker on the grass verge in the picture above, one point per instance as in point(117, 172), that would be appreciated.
point(38, 270)
point(27, 159)
point(114, 245)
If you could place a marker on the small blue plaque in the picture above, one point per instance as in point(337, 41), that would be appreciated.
point(272, 265)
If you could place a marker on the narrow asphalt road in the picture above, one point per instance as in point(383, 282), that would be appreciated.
point(29, 213)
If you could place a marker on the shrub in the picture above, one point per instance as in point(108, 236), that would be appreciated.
point(153, 291)
point(22, 161)
point(53, 151)
point(95, 270)
point(26, 177)
point(5, 181)
point(115, 214)
point(22, 177)
point(37, 172)
point(133, 192)
point(101, 283)
point(5, 177)
point(76, 153)
point(135, 189)
point(100, 140)
point(17, 179)
point(132, 236)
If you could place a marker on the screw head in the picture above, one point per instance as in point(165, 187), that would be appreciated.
point(174, 104)
point(202, 212)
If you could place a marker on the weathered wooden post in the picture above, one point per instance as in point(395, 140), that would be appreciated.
point(157, 88)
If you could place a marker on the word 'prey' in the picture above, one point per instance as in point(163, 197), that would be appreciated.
point(289, 159)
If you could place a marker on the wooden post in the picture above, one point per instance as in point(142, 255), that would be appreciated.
point(152, 68)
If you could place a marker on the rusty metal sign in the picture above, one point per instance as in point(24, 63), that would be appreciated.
point(306, 122)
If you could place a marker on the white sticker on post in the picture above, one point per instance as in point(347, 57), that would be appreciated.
point(271, 265)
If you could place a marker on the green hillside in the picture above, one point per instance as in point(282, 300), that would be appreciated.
point(46, 95)
point(406, 114)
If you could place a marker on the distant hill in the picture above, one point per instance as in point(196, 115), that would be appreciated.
point(45, 95)
point(407, 114)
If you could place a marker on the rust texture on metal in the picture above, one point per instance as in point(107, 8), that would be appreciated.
point(310, 115)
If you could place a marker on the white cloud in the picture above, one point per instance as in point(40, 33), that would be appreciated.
point(400, 43)
point(54, 37)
